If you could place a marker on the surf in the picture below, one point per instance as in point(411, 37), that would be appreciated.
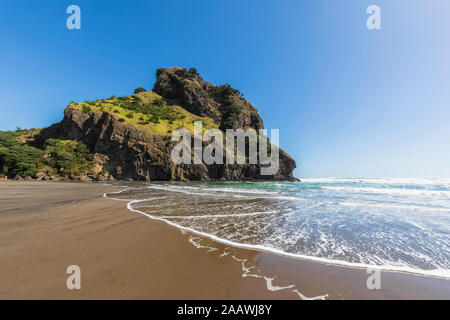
point(306, 220)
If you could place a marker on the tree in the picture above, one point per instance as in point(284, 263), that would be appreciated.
point(230, 117)
point(140, 89)
point(16, 158)
point(193, 72)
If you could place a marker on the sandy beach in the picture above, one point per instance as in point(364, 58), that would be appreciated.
point(47, 226)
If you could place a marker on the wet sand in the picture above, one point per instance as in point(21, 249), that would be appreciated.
point(47, 226)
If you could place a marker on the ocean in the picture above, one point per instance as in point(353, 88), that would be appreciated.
point(378, 223)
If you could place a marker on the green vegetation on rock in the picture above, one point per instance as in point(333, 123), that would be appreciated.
point(230, 117)
point(130, 135)
point(58, 155)
point(140, 89)
point(185, 73)
point(225, 90)
point(68, 156)
point(146, 109)
point(17, 158)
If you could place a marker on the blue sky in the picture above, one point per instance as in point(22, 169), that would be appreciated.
point(349, 102)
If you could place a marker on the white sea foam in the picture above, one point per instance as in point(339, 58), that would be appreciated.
point(307, 298)
point(395, 206)
point(118, 192)
point(383, 181)
point(226, 252)
point(195, 242)
point(269, 281)
point(229, 190)
point(219, 215)
point(273, 287)
point(326, 241)
point(225, 192)
point(390, 191)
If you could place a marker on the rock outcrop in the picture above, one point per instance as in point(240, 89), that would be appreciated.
point(123, 151)
point(205, 99)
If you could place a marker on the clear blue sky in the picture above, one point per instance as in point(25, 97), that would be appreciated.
point(349, 102)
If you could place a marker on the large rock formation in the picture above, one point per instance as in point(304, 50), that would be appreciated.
point(125, 151)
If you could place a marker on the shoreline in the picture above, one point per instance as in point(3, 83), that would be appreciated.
point(426, 273)
point(121, 253)
point(435, 273)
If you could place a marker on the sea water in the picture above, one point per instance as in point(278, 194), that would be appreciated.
point(380, 223)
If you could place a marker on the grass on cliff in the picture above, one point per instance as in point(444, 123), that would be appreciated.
point(58, 156)
point(147, 110)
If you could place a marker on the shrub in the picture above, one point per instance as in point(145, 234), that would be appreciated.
point(130, 115)
point(121, 120)
point(171, 117)
point(225, 90)
point(194, 72)
point(68, 156)
point(136, 100)
point(157, 109)
point(154, 119)
point(184, 73)
point(140, 89)
point(17, 158)
point(230, 117)
point(159, 102)
point(87, 109)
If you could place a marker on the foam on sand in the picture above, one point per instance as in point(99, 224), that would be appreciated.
point(364, 211)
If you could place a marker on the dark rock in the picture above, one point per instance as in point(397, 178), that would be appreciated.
point(203, 98)
point(128, 152)
point(122, 151)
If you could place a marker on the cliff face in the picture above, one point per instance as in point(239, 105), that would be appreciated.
point(125, 151)
point(205, 99)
